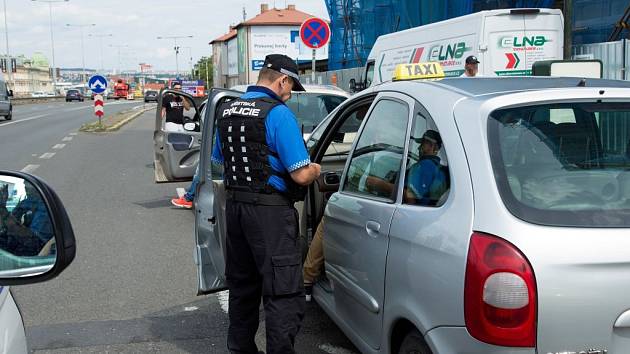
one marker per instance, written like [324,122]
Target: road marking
[59,146]
[331,349]
[34,155]
[73,134]
[76,108]
[24,120]
[68,138]
[191,308]
[224,297]
[47,155]
[29,168]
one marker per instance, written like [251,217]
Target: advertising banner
[267,40]
[232,57]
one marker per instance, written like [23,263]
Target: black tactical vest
[245,151]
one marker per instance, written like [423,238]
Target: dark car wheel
[10,115]
[414,344]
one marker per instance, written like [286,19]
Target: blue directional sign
[97,84]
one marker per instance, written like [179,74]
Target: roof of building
[272,17]
[225,37]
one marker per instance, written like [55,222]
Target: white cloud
[135,23]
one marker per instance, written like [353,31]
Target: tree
[203,70]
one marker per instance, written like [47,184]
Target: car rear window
[73,91]
[311,108]
[564,164]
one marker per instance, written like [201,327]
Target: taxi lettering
[422,69]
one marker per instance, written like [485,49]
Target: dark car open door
[210,228]
[176,151]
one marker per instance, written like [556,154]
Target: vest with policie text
[245,151]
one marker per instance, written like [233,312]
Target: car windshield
[311,108]
[73,91]
[564,164]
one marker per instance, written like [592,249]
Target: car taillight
[500,293]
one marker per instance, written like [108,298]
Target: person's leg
[315,256]
[272,232]
[244,283]
[190,193]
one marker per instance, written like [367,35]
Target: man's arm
[307,174]
[186,104]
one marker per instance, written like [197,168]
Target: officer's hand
[317,168]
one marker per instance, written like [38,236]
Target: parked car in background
[151,96]
[74,95]
[6,108]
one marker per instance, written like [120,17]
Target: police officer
[266,169]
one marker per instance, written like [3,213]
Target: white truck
[506,42]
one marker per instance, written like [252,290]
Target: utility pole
[81,26]
[6,37]
[118,46]
[52,40]
[207,76]
[176,48]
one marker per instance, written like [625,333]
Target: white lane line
[191,308]
[224,297]
[75,109]
[331,349]
[73,134]
[59,146]
[47,155]
[34,155]
[24,120]
[29,168]
[67,138]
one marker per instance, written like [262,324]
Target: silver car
[514,238]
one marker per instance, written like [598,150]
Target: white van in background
[506,42]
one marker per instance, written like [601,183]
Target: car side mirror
[191,127]
[36,238]
[10,93]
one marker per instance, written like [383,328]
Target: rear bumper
[447,340]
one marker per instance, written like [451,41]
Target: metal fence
[614,55]
[340,78]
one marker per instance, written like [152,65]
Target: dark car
[74,95]
[151,96]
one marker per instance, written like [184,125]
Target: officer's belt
[275,199]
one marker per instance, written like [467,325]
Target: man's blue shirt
[423,175]
[283,137]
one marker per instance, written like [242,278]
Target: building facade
[239,55]
[31,75]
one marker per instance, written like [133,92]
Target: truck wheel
[414,344]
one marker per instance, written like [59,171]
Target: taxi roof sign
[429,70]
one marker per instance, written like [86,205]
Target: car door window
[427,179]
[176,110]
[375,166]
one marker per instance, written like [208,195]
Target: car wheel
[414,344]
[10,115]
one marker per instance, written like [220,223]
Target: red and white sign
[315,32]
[98,106]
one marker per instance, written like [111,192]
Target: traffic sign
[97,84]
[315,32]
[98,106]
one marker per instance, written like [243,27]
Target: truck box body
[506,42]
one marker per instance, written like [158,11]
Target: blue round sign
[97,84]
[315,33]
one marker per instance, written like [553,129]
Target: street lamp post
[81,26]
[176,47]
[190,59]
[6,37]
[100,38]
[52,40]
[119,47]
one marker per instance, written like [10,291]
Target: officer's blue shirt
[35,209]
[423,175]
[283,137]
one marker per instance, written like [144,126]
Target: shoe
[308,291]
[181,202]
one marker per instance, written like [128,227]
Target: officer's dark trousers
[263,259]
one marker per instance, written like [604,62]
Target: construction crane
[620,26]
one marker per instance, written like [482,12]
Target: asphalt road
[132,287]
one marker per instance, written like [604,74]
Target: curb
[127,120]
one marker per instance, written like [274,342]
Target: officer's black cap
[284,65]
[471,59]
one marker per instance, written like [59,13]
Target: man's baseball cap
[284,65]
[432,136]
[471,59]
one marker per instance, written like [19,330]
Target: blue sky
[133,23]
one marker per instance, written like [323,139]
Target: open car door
[210,228]
[176,151]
